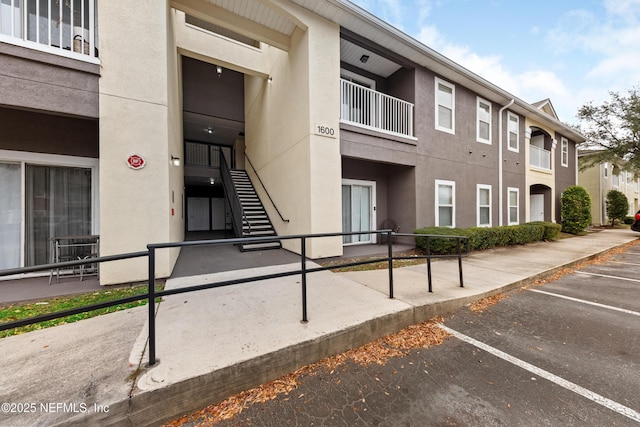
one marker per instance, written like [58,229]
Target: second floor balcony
[63,27]
[374,110]
[539,157]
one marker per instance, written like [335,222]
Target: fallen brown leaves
[379,352]
[481,305]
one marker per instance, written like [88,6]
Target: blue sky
[570,51]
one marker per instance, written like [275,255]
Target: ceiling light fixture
[212,181]
[209,130]
[364,59]
[218,70]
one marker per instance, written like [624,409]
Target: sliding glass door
[57,203]
[358,210]
[10,215]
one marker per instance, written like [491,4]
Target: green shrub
[617,206]
[487,237]
[575,209]
[551,230]
[440,246]
[525,233]
[484,237]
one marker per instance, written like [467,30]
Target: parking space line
[625,263]
[594,397]
[609,277]
[610,307]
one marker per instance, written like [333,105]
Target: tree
[617,206]
[575,209]
[613,129]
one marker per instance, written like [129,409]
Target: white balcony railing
[364,107]
[539,157]
[65,27]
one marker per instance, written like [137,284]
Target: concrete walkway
[212,344]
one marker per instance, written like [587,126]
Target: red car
[636,224]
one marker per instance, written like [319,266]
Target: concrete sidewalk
[212,344]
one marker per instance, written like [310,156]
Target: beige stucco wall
[135,118]
[300,168]
[592,180]
[598,185]
[536,176]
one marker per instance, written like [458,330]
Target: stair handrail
[234,202]
[265,188]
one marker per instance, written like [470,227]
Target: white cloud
[629,10]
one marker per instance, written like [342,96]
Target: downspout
[500,160]
[601,213]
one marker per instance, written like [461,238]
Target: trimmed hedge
[440,246]
[486,237]
[551,230]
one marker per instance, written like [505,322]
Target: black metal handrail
[151,293]
[232,196]
[265,188]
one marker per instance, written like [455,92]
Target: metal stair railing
[237,213]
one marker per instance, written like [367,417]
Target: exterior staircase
[255,222]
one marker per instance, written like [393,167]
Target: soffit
[376,64]
[257,12]
[366,25]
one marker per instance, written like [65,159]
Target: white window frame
[564,155]
[509,205]
[451,130]
[479,102]
[615,178]
[437,205]
[517,132]
[480,187]
[606,170]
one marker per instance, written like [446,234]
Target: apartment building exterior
[603,177]
[127,119]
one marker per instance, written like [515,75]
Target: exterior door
[198,216]
[536,209]
[358,210]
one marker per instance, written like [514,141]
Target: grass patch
[24,311]
[382,265]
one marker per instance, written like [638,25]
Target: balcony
[539,157]
[65,28]
[367,108]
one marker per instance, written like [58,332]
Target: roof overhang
[363,23]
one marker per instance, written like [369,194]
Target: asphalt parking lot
[566,353]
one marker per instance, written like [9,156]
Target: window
[44,196]
[514,205]
[484,205]
[565,151]
[445,203]
[615,177]
[10,215]
[513,131]
[484,121]
[445,106]
[606,170]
